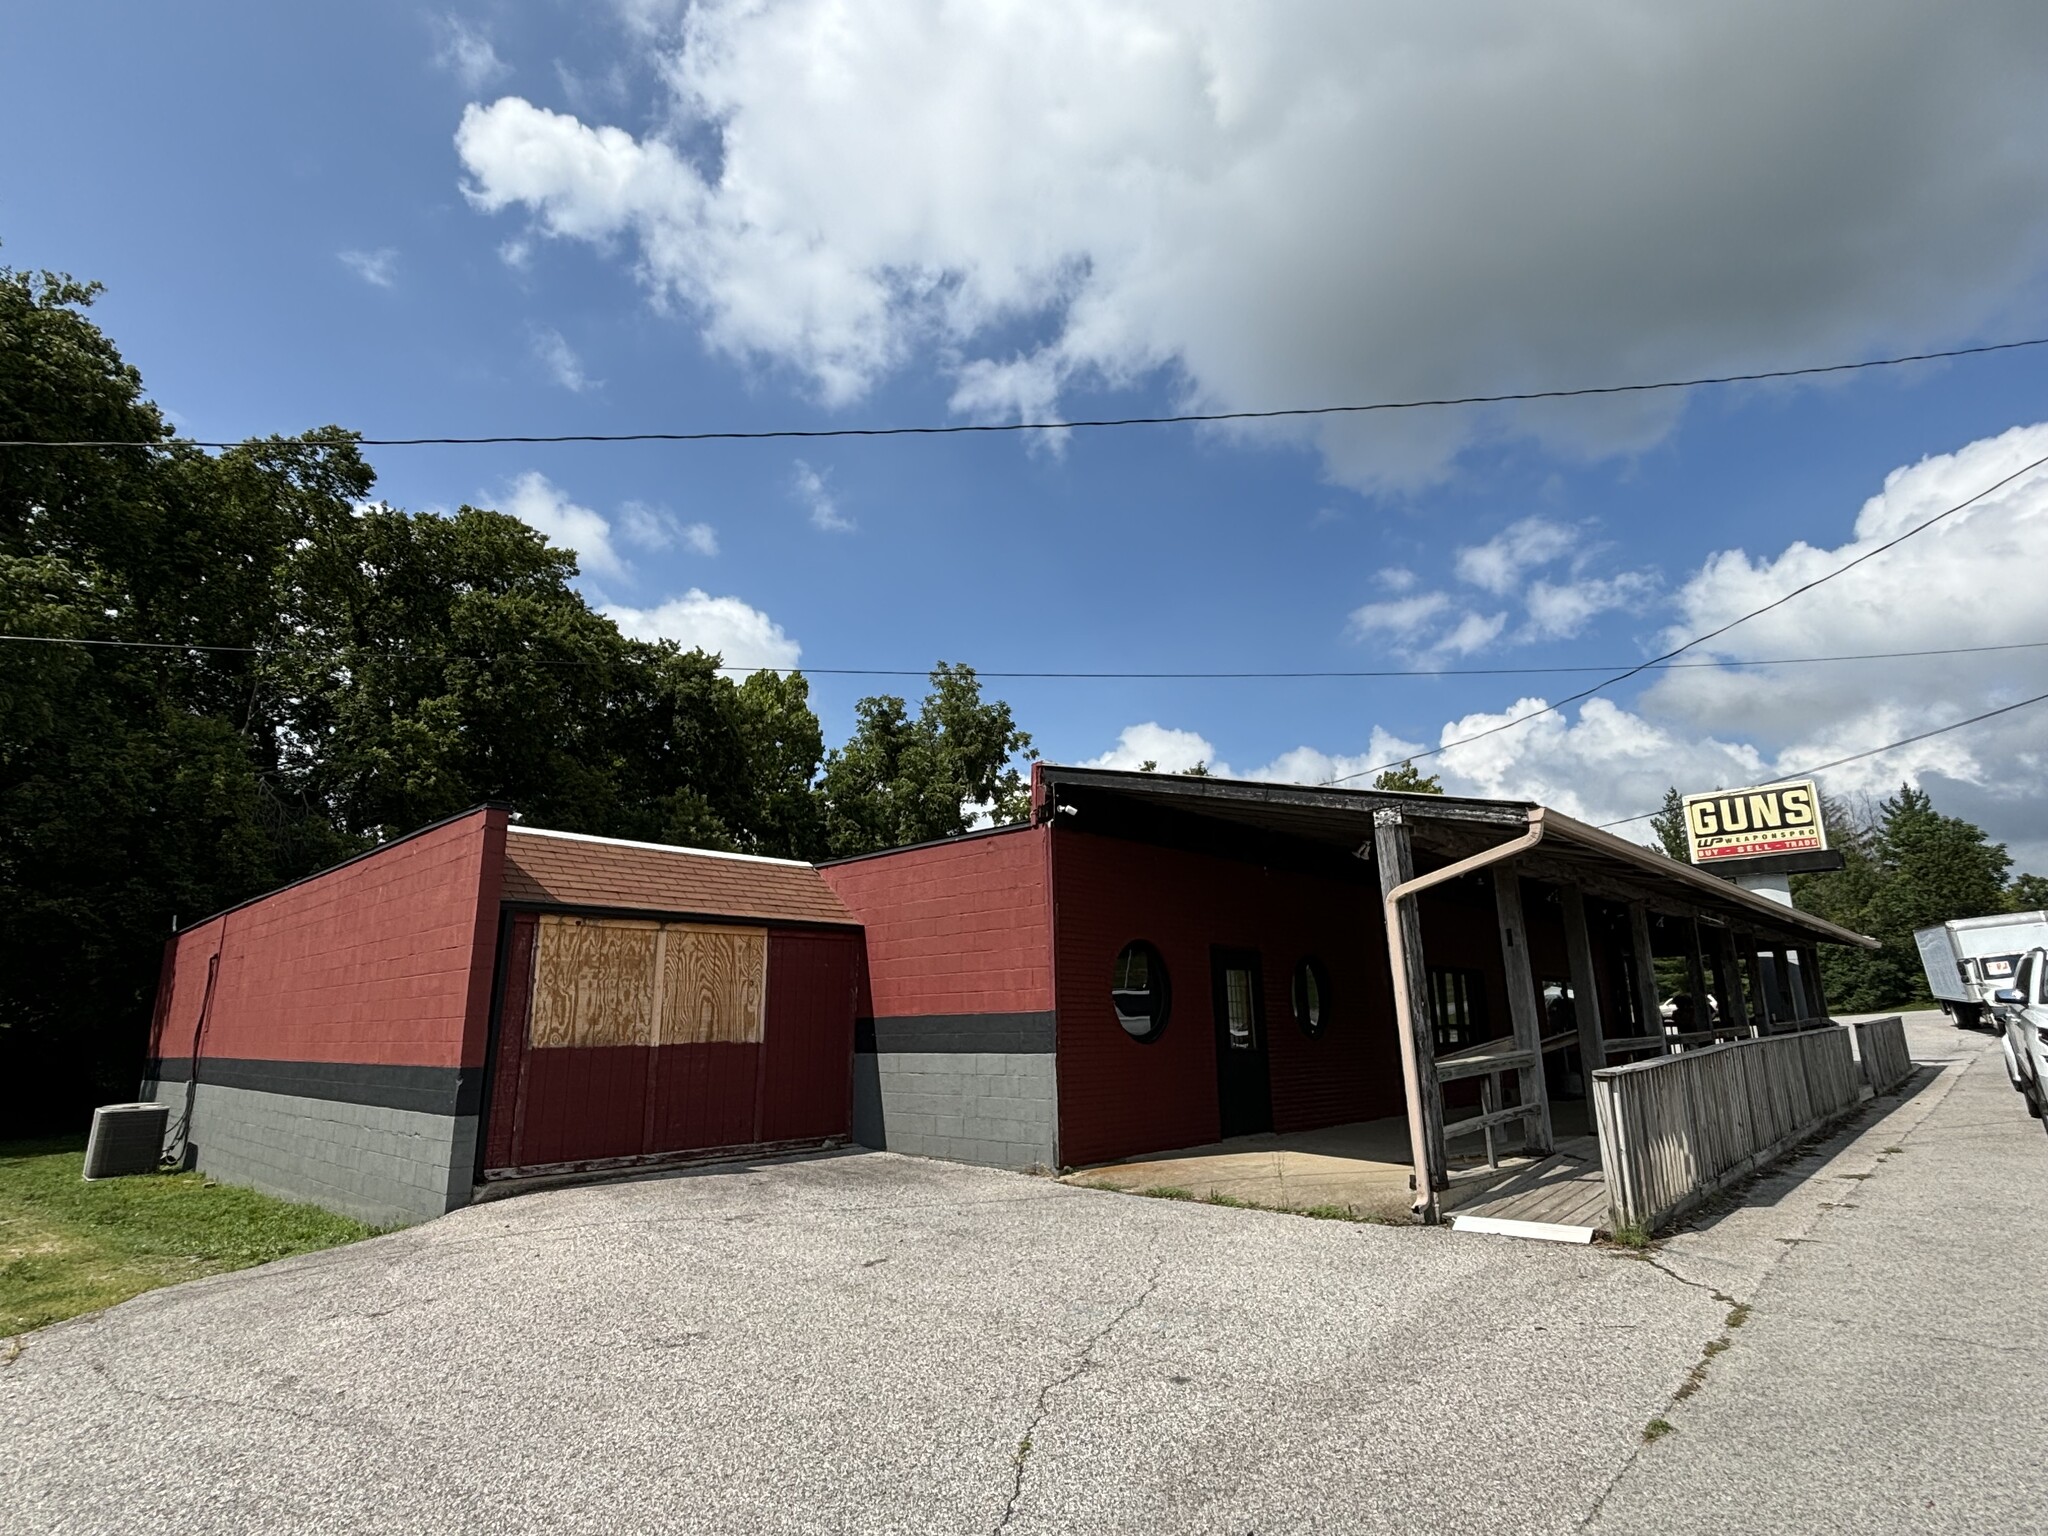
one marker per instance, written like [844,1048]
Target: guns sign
[1748,823]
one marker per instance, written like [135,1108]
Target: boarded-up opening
[625,1039]
[713,984]
[593,983]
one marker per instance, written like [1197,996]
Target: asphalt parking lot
[864,1343]
[873,1343]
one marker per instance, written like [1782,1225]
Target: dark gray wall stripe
[430,1090]
[1014,1034]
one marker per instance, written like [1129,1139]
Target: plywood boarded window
[593,982]
[611,981]
[712,985]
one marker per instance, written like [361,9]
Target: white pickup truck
[1971,958]
[2022,1009]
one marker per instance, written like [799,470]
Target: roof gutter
[1404,1017]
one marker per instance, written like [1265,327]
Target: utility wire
[1655,661]
[957,429]
[1762,661]
[1857,757]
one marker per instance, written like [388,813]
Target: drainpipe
[1404,1018]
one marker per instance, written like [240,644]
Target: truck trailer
[1969,959]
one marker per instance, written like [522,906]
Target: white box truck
[1971,958]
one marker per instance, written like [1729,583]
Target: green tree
[1906,866]
[315,671]
[135,785]
[1408,779]
[902,780]
[1857,980]
[2027,893]
[1669,825]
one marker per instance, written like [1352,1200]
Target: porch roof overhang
[1447,828]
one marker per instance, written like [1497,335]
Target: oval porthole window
[1311,996]
[1140,992]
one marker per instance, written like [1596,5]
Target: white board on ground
[1541,1231]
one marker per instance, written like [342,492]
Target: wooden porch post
[1766,1016]
[1395,855]
[1528,1021]
[1791,985]
[1734,1010]
[1646,969]
[1695,972]
[1578,947]
[1809,973]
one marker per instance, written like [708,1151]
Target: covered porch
[1522,952]
[1362,1169]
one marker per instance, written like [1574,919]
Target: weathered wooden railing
[1486,1061]
[1675,1129]
[1882,1045]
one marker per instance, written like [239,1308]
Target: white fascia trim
[692,853]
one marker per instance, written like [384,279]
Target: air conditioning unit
[126,1138]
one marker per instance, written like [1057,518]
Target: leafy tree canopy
[1905,866]
[902,780]
[1669,825]
[1409,779]
[370,670]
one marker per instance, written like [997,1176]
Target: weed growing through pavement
[1325,1212]
[1656,1430]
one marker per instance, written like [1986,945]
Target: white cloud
[1559,610]
[378,268]
[466,53]
[744,636]
[1171,750]
[1471,633]
[1402,617]
[540,504]
[813,491]
[1966,581]
[517,253]
[1372,201]
[701,537]
[561,361]
[1502,561]
[1396,578]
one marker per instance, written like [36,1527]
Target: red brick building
[481,1001]
[1150,963]
[1158,962]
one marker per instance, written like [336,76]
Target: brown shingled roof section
[568,871]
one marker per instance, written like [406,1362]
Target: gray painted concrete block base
[390,1167]
[993,1108]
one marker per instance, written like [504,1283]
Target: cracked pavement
[871,1343]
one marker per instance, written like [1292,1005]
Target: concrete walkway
[1362,1167]
[1891,1373]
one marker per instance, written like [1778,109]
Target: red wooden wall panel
[580,1104]
[808,1072]
[515,998]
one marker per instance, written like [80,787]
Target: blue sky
[584,218]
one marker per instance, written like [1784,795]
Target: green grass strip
[69,1247]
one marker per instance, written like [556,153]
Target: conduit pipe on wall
[1404,1018]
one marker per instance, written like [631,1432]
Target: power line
[1857,757]
[957,429]
[1655,661]
[1390,672]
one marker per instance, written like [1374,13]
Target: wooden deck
[1565,1189]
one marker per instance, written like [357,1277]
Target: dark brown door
[1244,1092]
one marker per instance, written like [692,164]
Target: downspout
[1404,1019]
